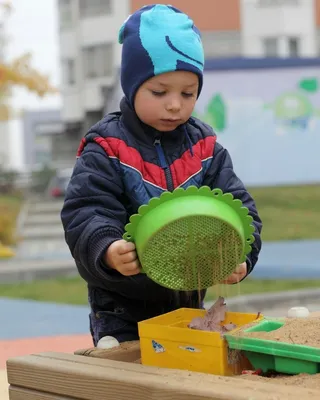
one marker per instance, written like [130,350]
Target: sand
[302,380]
[298,331]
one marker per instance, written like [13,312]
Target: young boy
[153,145]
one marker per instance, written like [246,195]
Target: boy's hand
[122,256]
[237,275]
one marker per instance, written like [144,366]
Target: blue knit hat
[158,39]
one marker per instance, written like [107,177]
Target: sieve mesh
[204,250]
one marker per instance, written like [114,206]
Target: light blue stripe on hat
[169,37]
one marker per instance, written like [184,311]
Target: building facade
[90,57]
[46,142]
[4,127]
[317,22]
[279,28]
[90,53]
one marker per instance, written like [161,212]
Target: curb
[21,271]
[267,301]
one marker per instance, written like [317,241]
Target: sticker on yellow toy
[190,349]
[157,347]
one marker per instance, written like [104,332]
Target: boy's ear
[121,31]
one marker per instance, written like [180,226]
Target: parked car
[59,183]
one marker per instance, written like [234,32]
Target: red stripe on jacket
[181,169]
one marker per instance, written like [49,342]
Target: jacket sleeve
[221,175]
[93,216]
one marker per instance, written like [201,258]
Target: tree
[19,72]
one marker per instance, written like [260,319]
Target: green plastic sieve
[191,239]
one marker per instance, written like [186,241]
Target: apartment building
[90,53]
[317,22]
[90,57]
[4,137]
[280,28]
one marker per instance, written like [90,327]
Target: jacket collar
[145,133]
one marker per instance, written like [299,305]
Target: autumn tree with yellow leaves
[16,73]
[19,72]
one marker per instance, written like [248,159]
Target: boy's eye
[187,94]
[155,93]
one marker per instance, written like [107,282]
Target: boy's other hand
[122,256]
[237,275]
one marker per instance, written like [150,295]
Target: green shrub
[9,211]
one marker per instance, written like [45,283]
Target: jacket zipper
[164,164]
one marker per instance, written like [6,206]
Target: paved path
[16,348]
[32,327]
[64,344]
[30,319]
[289,259]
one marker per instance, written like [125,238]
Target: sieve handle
[129,238]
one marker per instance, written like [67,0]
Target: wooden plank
[3,385]
[74,376]
[128,352]
[89,382]
[123,366]
[16,393]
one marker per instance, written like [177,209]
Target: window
[65,14]
[277,3]
[270,47]
[293,47]
[42,149]
[221,44]
[93,8]
[69,72]
[98,61]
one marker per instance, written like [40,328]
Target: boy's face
[167,100]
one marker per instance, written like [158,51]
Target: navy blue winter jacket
[121,164]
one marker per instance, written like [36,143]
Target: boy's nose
[173,105]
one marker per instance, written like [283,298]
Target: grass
[252,286]
[74,291]
[64,290]
[289,212]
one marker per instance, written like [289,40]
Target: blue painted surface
[292,259]
[263,132]
[30,319]
[247,63]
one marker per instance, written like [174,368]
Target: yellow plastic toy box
[167,342]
